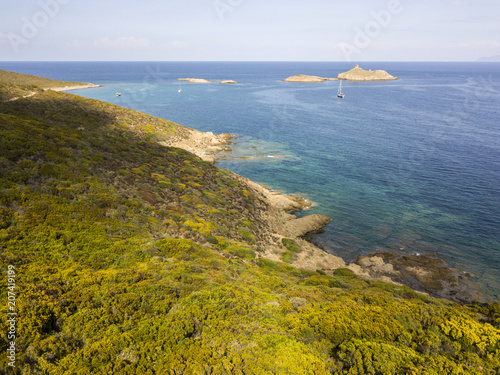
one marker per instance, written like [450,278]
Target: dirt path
[22,97]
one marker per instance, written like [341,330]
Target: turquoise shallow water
[411,165]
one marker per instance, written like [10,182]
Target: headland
[128,255]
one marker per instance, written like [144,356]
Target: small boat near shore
[340,94]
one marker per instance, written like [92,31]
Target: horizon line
[263,61]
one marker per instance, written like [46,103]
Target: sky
[249,30]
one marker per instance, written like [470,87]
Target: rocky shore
[422,272]
[206,145]
[425,273]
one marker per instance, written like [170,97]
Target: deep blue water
[411,165]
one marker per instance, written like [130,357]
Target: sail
[340,94]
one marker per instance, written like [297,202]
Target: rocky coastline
[425,273]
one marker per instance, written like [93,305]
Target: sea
[410,166]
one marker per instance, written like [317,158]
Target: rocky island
[202,80]
[360,74]
[194,80]
[355,74]
[307,79]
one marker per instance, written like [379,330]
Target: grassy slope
[138,258]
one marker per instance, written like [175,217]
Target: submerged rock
[423,272]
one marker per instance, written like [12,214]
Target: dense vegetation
[135,258]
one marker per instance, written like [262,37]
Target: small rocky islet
[355,74]
[203,80]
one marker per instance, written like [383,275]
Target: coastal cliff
[359,74]
[128,255]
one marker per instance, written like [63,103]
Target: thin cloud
[178,44]
[480,43]
[174,45]
[123,42]
[455,2]
[4,39]
[74,44]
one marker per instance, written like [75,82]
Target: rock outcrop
[305,225]
[206,145]
[359,74]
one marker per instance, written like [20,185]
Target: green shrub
[291,245]
[345,272]
[172,246]
[266,263]
[241,252]
[249,237]
[287,257]
[212,240]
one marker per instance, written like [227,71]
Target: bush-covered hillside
[135,258]
[11,78]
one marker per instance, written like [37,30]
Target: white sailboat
[340,94]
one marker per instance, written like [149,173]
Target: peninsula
[127,254]
[359,74]
[11,78]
